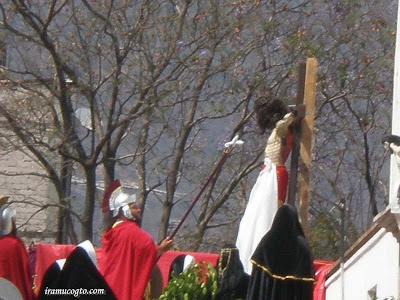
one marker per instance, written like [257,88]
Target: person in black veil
[282,261]
[50,278]
[232,280]
[78,276]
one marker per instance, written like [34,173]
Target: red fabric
[282,178]
[320,269]
[165,261]
[46,254]
[105,207]
[129,257]
[14,264]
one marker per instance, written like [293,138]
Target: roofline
[385,219]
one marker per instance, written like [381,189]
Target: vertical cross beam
[294,161]
[303,140]
[306,145]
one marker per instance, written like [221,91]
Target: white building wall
[375,264]
[394,171]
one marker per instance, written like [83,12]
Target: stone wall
[21,178]
[32,196]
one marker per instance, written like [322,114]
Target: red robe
[14,264]
[129,255]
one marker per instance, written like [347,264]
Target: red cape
[14,264]
[129,255]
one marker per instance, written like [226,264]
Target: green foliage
[196,282]
[325,239]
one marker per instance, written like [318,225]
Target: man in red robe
[129,253]
[13,255]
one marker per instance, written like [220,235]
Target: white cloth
[89,248]
[189,261]
[259,214]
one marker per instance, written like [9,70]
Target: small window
[372,294]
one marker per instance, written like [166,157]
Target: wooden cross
[303,140]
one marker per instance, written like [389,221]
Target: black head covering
[177,264]
[50,279]
[282,261]
[232,280]
[79,272]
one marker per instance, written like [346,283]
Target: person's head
[268,112]
[135,211]
[121,205]
[286,221]
[126,207]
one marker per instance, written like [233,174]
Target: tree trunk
[87,218]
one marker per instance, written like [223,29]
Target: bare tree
[148,91]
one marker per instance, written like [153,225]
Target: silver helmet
[115,198]
[120,199]
[7,217]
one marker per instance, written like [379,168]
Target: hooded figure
[232,280]
[180,264]
[79,274]
[282,262]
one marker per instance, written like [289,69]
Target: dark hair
[391,139]
[268,112]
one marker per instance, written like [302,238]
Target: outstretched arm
[282,125]
[164,246]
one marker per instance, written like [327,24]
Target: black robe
[79,273]
[232,280]
[49,281]
[282,261]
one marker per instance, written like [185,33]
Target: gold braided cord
[35,288]
[220,268]
[265,269]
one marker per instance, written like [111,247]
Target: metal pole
[228,148]
[217,168]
